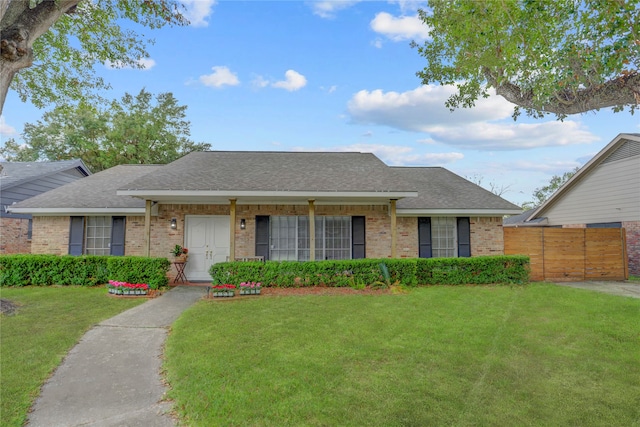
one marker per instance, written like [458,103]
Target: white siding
[610,193]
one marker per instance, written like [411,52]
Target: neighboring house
[603,193]
[21,180]
[278,205]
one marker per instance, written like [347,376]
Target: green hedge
[362,272]
[88,270]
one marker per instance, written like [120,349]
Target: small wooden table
[180,265]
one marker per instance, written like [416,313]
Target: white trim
[456,212]
[80,211]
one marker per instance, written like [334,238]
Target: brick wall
[487,237]
[633,246]
[50,235]
[13,236]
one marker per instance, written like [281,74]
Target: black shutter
[424,237]
[464,237]
[358,240]
[76,235]
[262,236]
[117,235]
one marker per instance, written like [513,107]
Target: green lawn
[34,341]
[485,356]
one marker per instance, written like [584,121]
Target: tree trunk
[20,27]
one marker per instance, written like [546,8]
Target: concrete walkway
[112,376]
[625,289]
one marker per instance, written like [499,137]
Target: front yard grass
[35,339]
[535,355]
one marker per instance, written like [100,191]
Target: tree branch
[623,90]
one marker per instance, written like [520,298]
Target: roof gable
[623,146]
[95,192]
[16,173]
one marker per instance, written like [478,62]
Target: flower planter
[224,294]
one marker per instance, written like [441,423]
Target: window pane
[443,237]
[98,235]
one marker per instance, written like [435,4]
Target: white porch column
[147,228]
[312,230]
[394,228]
[232,230]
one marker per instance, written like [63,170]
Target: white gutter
[458,212]
[77,211]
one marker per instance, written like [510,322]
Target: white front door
[207,238]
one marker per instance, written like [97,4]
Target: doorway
[207,238]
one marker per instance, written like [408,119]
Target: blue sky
[340,76]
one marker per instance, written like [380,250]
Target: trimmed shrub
[362,272]
[88,270]
[152,271]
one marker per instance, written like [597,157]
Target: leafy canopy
[134,130]
[63,53]
[546,56]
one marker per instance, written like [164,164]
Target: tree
[133,130]
[541,194]
[48,48]
[497,189]
[546,56]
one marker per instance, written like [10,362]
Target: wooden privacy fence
[570,254]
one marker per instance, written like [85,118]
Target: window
[290,238]
[97,235]
[441,237]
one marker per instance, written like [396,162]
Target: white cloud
[5,129]
[394,155]
[221,76]
[260,82]
[145,64]
[293,81]
[513,136]
[329,8]
[483,127]
[400,28]
[198,11]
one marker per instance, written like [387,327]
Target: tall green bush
[407,272]
[88,270]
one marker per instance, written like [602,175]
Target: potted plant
[124,288]
[250,288]
[180,253]
[223,290]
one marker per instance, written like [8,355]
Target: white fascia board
[78,211]
[150,194]
[457,212]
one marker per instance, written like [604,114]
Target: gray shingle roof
[95,191]
[274,171]
[439,188]
[14,173]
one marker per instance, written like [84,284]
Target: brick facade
[14,234]
[51,234]
[487,237]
